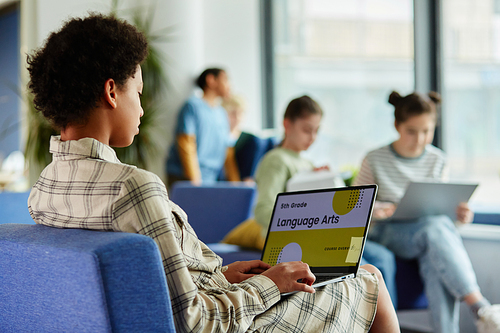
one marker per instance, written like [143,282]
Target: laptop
[325,228]
[431,198]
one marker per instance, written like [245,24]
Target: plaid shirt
[87,187]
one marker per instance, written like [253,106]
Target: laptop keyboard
[323,278]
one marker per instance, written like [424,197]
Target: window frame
[427,57]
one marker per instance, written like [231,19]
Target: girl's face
[128,113]
[301,133]
[414,134]
[235,116]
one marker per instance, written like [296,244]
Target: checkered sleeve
[202,300]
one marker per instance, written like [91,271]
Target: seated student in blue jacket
[87,81]
[202,144]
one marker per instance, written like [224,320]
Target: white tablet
[424,199]
[313,180]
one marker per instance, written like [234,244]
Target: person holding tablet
[445,266]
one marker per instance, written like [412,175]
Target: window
[9,79]
[349,56]
[471,93]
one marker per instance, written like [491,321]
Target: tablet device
[430,198]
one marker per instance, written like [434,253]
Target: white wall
[6,3]
[232,40]
[204,33]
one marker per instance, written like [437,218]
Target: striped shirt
[393,172]
[87,187]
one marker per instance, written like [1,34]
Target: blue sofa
[79,280]
[71,280]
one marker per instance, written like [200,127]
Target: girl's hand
[239,271]
[464,214]
[322,168]
[383,210]
[287,274]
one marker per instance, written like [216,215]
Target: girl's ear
[211,81]
[110,93]
[287,123]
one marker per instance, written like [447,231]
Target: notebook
[325,228]
[427,198]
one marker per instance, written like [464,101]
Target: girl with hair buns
[445,267]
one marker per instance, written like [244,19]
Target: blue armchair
[72,280]
[249,150]
[213,210]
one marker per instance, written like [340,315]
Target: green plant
[146,143]
[349,173]
[38,139]
[39,131]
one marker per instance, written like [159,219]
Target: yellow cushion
[246,234]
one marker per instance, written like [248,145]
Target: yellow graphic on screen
[345,201]
[355,249]
[290,252]
[318,248]
[273,255]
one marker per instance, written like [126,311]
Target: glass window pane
[471,98]
[349,56]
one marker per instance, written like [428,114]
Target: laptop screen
[324,228]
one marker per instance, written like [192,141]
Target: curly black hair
[67,75]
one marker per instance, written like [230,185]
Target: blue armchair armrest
[14,208]
[72,280]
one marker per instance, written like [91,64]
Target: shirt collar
[81,149]
[391,147]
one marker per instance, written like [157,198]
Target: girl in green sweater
[301,123]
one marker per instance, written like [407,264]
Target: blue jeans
[445,267]
[380,257]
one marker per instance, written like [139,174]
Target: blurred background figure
[248,148]
[235,107]
[202,145]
